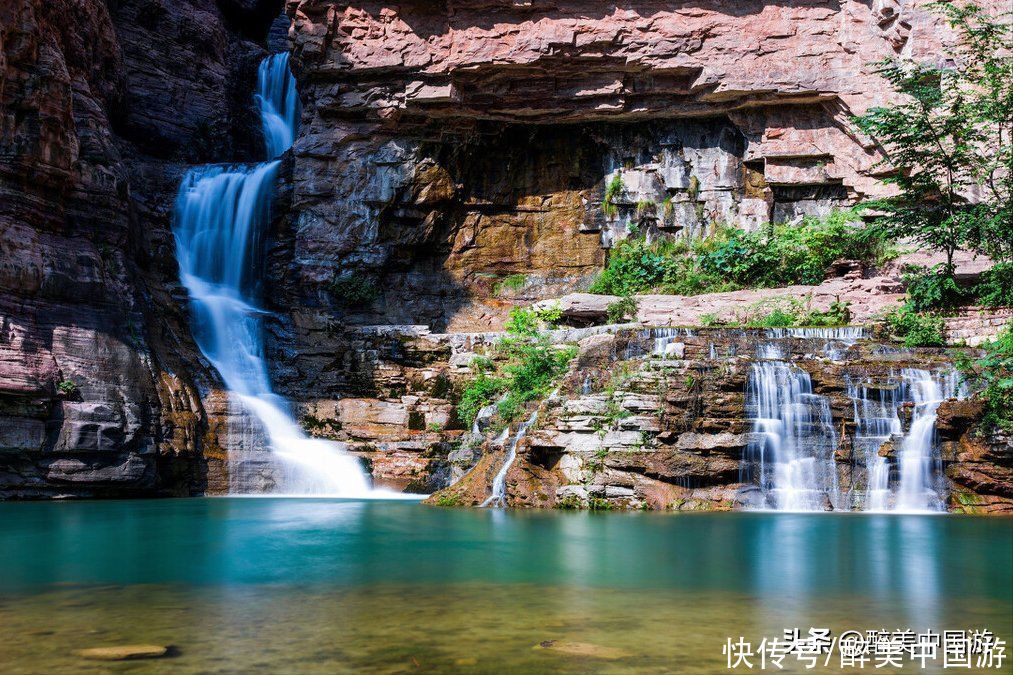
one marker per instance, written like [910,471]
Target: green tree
[948,140]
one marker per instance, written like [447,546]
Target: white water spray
[919,459]
[498,496]
[793,439]
[220,216]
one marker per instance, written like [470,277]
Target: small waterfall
[483,416]
[876,421]
[921,484]
[278,102]
[770,351]
[793,439]
[840,333]
[219,222]
[498,496]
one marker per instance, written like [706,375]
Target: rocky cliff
[450,144]
[101,105]
[451,164]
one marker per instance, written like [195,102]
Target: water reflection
[790,561]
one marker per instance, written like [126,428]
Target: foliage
[599,504]
[948,136]
[354,290]
[781,255]
[933,289]
[529,365]
[785,254]
[621,310]
[709,319]
[613,189]
[996,286]
[916,329]
[550,315]
[66,387]
[645,206]
[995,372]
[522,322]
[793,312]
[513,282]
[479,393]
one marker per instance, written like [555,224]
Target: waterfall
[876,421]
[793,440]
[498,496]
[919,485]
[219,222]
[278,102]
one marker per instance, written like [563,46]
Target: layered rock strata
[102,391]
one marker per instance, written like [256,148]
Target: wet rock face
[639,426]
[99,378]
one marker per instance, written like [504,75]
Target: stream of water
[220,220]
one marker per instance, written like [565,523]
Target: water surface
[336,586]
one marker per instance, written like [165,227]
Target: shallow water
[329,586]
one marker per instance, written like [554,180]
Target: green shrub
[531,364]
[996,373]
[781,255]
[916,329]
[838,314]
[479,393]
[522,322]
[996,286]
[621,310]
[514,282]
[934,289]
[550,315]
[66,387]
[613,189]
[792,312]
[354,290]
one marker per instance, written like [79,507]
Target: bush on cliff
[996,286]
[779,255]
[916,329]
[526,367]
[992,375]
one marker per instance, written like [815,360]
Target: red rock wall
[384,83]
[88,98]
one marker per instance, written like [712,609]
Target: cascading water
[278,102]
[920,464]
[919,485]
[498,496]
[219,220]
[792,451]
[876,421]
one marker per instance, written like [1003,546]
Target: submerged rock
[583,649]
[124,652]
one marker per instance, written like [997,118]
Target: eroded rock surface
[101,388]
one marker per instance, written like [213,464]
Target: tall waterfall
[916,477]
[220,217]
[792,451]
